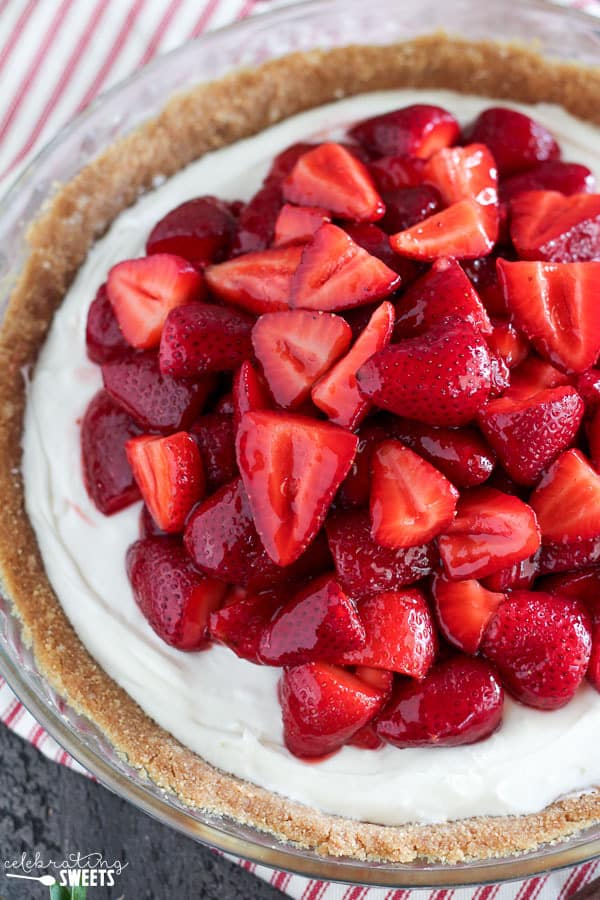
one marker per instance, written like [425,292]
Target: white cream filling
[224,708]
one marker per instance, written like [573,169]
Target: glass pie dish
[560,34]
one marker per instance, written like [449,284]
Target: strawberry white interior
[220,706]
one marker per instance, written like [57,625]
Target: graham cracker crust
[206,118]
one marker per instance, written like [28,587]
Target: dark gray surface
[48,808]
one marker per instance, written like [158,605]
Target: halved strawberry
[551,175]
[547,225]
[463,610]
[518,575]
[411,501]
[173,597]
[200,230]
[483,276]
[104,339]
[508,343]
[240,622]
[250,392]
[331,177]
[393,172]
[405,207]
[143,291]
[291,467]
[561,556]
[322,707]
[555,305]
[337,393]
[297,224]
[567,500]
[405,378]
[256,224]
[584,585]
[516,141]
[528,434]
[534,375]
[365,567]
[444,291]
[377,243]
[417,130]
[459,702]
[295,348]
[335,273]
[170,476]
[259,282]
[201,338]
[318,624]
[540,645]
[214,433]
[464,230]
[355,489]
[462,173]
[285,161]
[491,531]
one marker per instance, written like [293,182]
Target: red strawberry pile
[363,413]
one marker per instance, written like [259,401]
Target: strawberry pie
[311,465]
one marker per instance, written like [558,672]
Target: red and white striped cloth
[55,57]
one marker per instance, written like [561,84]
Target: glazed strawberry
[201,338]
[297,224]
[593,672]
[170,476]
[366,738]
[540,645]
[405,379]
[240,622]
[224,404]
[365,567]
[584,585]
[460,454]
[549,226]
[295,348]
[508,343]
[567,500]
[157,402]
[483,276]
[329,176]
[317,625]
[147,525]
[382,679]
[499,376]
[258,282]
[291,467]
[552,175]
[417,130]
[256,224]
[221,538]
[285,161]
[593,437]
[322,707]
[491,531]
[529,434]
[444,291]
[555,305]
[464,230]
[249,392]
[335,273]
[411,501]
[214,433]
[462,173]
[519,575]
[463,610]
[533,376]
[459,702]
[107,475]
[103,338]
[356,487]
[406,207]
[400,635]
[516,141]
[143,291]
[377,243]
[337,393]
[173,597]
[561,556]
[392,172]
[588,388]
[200,230]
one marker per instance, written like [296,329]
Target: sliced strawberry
[143,291]
[317,625]
[329,176]
[173,597]
[147,525]
[107,475]
[552,175]
[556,307]
[240,622]
[295,348]
[508,343]
[417,130]
[405,378]
[259,282]
[200,230]
[411,501]
[540,645]
[529,434]
[400,634]
[483,276]
[549,226]
[588,388]
[285,161]
[214,433]
[584,585]
[444,291]
[297,224]
[337,393]
[464,230]
[201,338]
[365,567]
[157,402]
[405,207]
[170,476]
[462,173]
[516,141]
[519,575]
[103,338]
[491,531]
[335,273]
[593,672]
[459,702]
[567,500]
[356,487]
[534,375]
[256,224]
[249,392]
[463,610]
[377,243]
[291,467]
[393,172]
[322,707]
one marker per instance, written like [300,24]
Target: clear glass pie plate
[558,33]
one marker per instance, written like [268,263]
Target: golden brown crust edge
[206,118]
